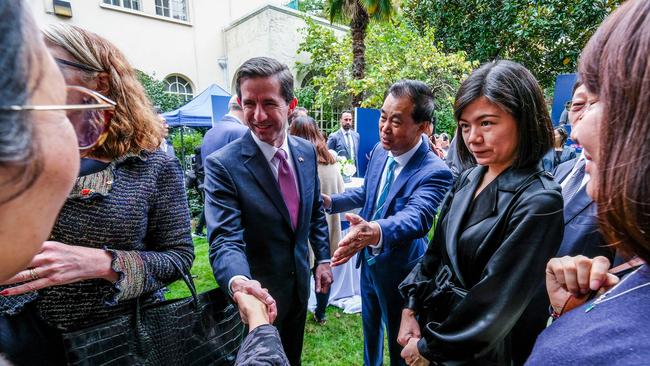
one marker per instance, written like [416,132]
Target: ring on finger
[33,274]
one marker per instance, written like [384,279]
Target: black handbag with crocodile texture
[204,329]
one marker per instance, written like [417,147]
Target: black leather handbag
[203,329]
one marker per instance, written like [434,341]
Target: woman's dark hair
[563,134]
[515,90]
[615,66]
[306,128]
[20,165]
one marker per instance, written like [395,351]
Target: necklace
[603,298]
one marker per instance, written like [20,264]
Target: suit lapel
[459,205]
[490,207]
[303,171]
[256,163]
[576,204]
[373,177]
[563,171]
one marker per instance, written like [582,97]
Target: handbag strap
[187,278]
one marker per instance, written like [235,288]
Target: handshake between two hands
[257,306]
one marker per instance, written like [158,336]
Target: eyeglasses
[89,112]
[576,106]
[76,65]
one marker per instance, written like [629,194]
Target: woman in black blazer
[498,226]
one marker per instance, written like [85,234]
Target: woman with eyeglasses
[611,328]
[124,223]
[38,155]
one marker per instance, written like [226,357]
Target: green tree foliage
[158,94]
[359,13]
[312,7]
[545,36]
[394,51]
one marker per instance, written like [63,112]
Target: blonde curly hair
[134,127]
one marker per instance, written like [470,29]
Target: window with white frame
[176,9]
[130,4]
[179,86]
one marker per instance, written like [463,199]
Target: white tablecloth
[345,292]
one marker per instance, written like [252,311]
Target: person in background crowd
[613,327]
[197,184]
[403,186]
[166,145]
[581,235]
[231,127]
[263,205]
[345,141]
[453,160]
[560,153]
[331,183]
[432,140]
[444,143]
[119,230]
[497,227]
[39,158]
[297,112]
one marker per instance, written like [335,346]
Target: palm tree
[359,13]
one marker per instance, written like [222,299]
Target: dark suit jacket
[500,252]
[551,162]
[249,228]
[409,209]
[221,134]
[581,236]
[336,142]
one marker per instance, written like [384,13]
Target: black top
[495,246]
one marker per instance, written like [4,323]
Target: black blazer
[495,258]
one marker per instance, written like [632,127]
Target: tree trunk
[358,27]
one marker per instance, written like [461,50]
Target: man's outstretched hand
[361,234]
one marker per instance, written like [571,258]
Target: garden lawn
[339,342]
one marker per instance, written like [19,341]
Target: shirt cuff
[323,261]
[235,278]
[376,249]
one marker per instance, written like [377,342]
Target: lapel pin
[300,159]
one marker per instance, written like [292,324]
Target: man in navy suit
[403,186]
[227,130]
[345,141]
[581,236]
[263,205]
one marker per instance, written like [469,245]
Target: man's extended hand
[323,278]
[254,288]
[361,234]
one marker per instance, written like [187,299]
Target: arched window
[179,86]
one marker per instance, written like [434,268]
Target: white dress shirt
[400,162]
[269,151]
